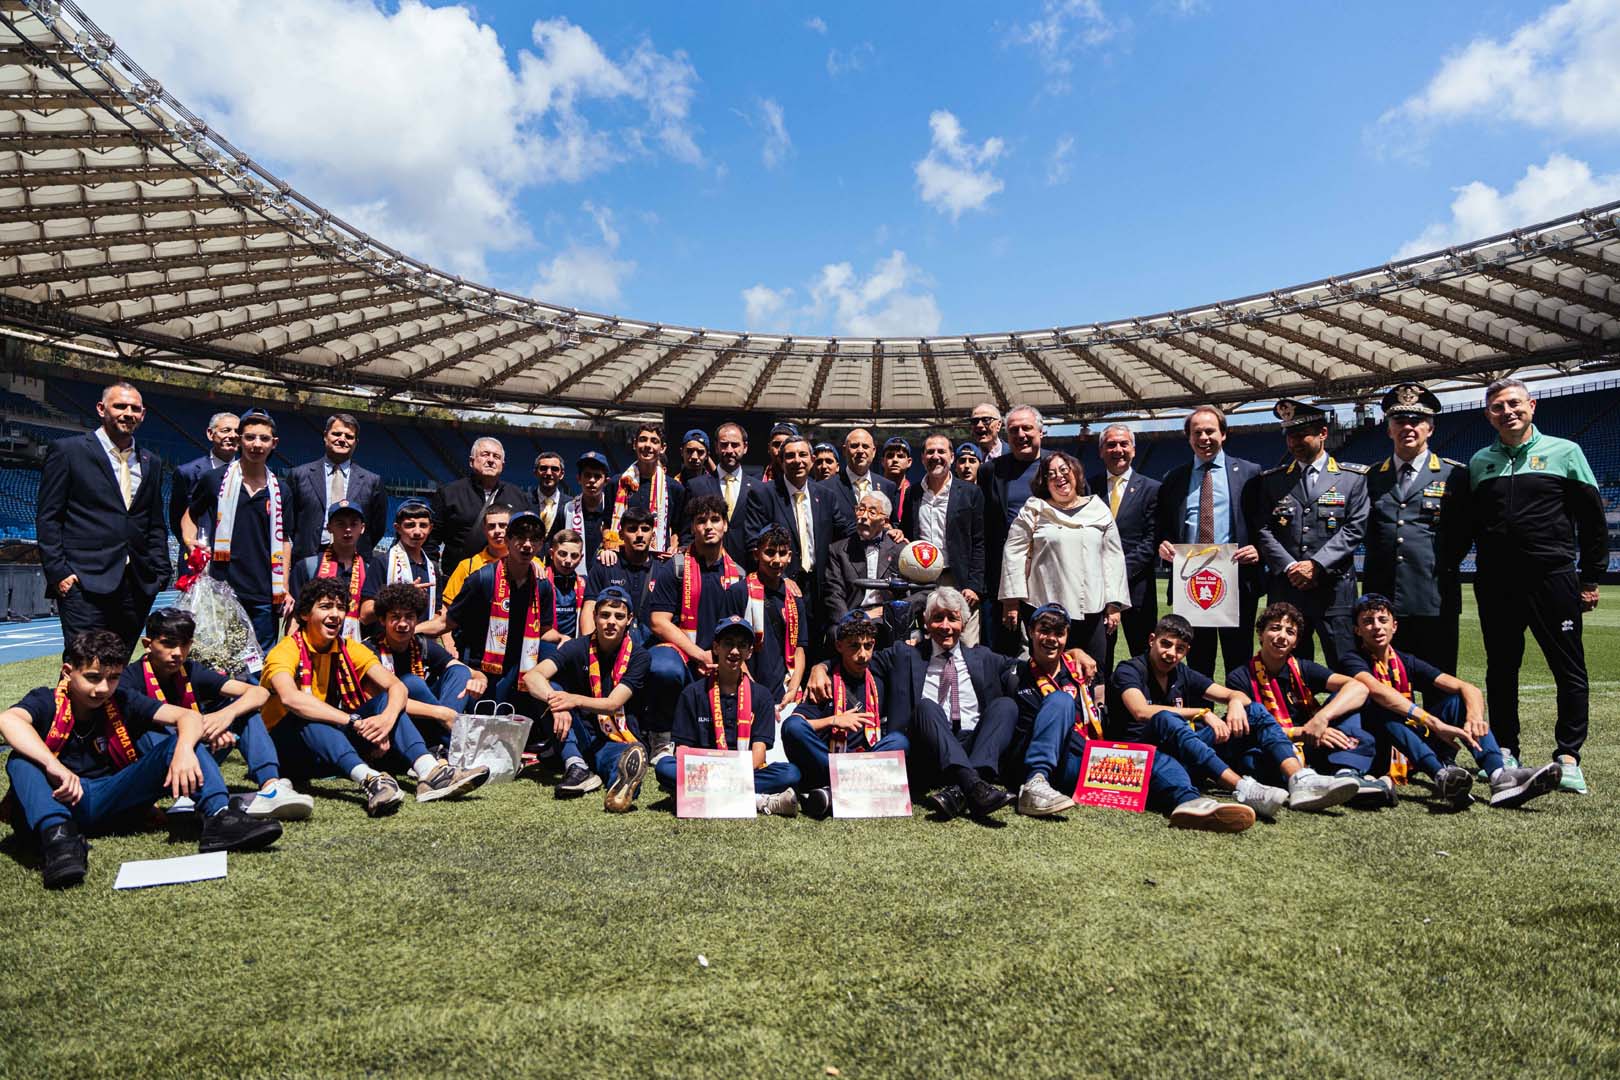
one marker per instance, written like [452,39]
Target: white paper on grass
[186,868]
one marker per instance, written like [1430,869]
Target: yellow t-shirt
[465,569]
[284,658]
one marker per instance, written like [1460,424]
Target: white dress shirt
[1122,481]
[932,511]
[113,456]
[967,701]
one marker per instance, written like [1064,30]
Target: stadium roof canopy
[124,218]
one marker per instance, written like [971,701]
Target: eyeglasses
[1060,473]
[983,420]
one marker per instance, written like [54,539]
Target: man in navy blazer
[1004,482]
[1180,518]
[857,477]
[949,513]
[103,542]
[315,485]
[1134,501]
[222,444]
[731,484]
[774,504]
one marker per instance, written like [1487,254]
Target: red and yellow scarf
[154,688]
[385,656]
[328,568]
[692,586]
[657,504]
[120,747]
[745,713]
[619,730]
[790,617]
[343,671]
[1087,720]
[871,723]
[1391,672]
[500,623]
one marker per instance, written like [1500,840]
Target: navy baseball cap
[696,435]
[615,593]
[408,508]
[826,448]
[969,448]
[525,515]
[756,537]
[731,624]
[344,506]
[854,621]
[1049,609]
[592,457]
[895,441]
[782,427]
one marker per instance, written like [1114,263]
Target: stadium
[521,934]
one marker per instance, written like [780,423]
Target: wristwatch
[354,718]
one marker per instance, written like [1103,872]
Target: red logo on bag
[925,554]
[1206,588]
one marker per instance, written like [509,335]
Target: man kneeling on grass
[85,754]
[1057,717]
[324,722]
[852,722]
[440,686]
[229,708]
[1153,695]
[729,710]
[1330,734]
[1430,740]
[595,687]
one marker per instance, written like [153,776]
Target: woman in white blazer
[1064,548]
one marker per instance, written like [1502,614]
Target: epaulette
[1355,467]
[1454,463]
[1275,469]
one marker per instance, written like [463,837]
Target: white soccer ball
[920,562]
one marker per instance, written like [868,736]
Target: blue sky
[887,168]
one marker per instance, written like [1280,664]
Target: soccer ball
[920,563]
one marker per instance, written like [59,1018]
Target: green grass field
[513,934]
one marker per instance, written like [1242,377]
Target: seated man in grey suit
[870,553]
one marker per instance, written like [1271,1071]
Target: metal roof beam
[374,298]
[1326,348]
[823,372]
[404,344]
[1098,364]
[1038,362]
[1444,323]
[987,373]
[1226,337]
[1161,366]
[646,374]
[524,330]
[432,308]
[768,374]
[84,211]
[561,345]
[355,280]
[591,367]
[164,264]
[1521,278]
[1183,343]
[710,370]
[1509,311]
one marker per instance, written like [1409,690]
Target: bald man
[858,478]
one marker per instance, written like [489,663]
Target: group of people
[718,607]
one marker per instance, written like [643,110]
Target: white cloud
[411,119]
[843,61]
[1561,186]
[1060,162]
[1065,27]
[586,275]
[955,175]
[778,144]
[893,300]
[1559,72]
[816,23]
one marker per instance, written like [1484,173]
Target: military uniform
[1294,524]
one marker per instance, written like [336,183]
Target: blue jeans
[105,797]
[1429,754]
[807,749]
[312,749]
[266,620]
[450,693]
[1358,757]
[1262,750]
[767,781]
[505,688]
[258,749]
[667,676]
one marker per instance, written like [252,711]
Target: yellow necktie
[550,514]
[123,475]
[730,483]
[802,512]
[863,487]
[1116,491]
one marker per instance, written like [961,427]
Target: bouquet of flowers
[225,637]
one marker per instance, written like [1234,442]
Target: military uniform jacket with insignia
[1326,530]
[1414,545]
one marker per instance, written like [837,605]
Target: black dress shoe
[233,830]
[947,801]
[65,854]
[816,803]
[985,799]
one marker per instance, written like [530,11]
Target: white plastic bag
[493,738]
[225,638]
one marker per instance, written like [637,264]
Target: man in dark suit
[1134,501]
[222,443]
[1310,517]
[732,484]
[102,540]
[1004,481]
[811,515]
[1185,517]
[549,496]
[949,513]
[458,507]
[857,477]
[315,485]
[870,553]
[1418,529]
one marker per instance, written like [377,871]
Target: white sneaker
[1037,798]
[280,801]
[1310,790]
[1211,816]
[782,804]
[1263,799]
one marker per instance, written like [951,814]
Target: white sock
[361,773]
[571,762]
[423,765]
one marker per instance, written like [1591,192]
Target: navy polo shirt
[1184,689]
[855,698]
[435,657]
[567,613]
[85,751]
[305,570]
[694,723]
[769,665]
[248,571]
[573,662]
[635,580]
[714,600]
[208,684]
[1316,681]
[1419,672]
[470,613]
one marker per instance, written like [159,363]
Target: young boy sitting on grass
[324,721]
[229,708]
[440,686]
[1430,739]
[1152,695]
[595,688]
[1329,733]
[728,710]
[87,752]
